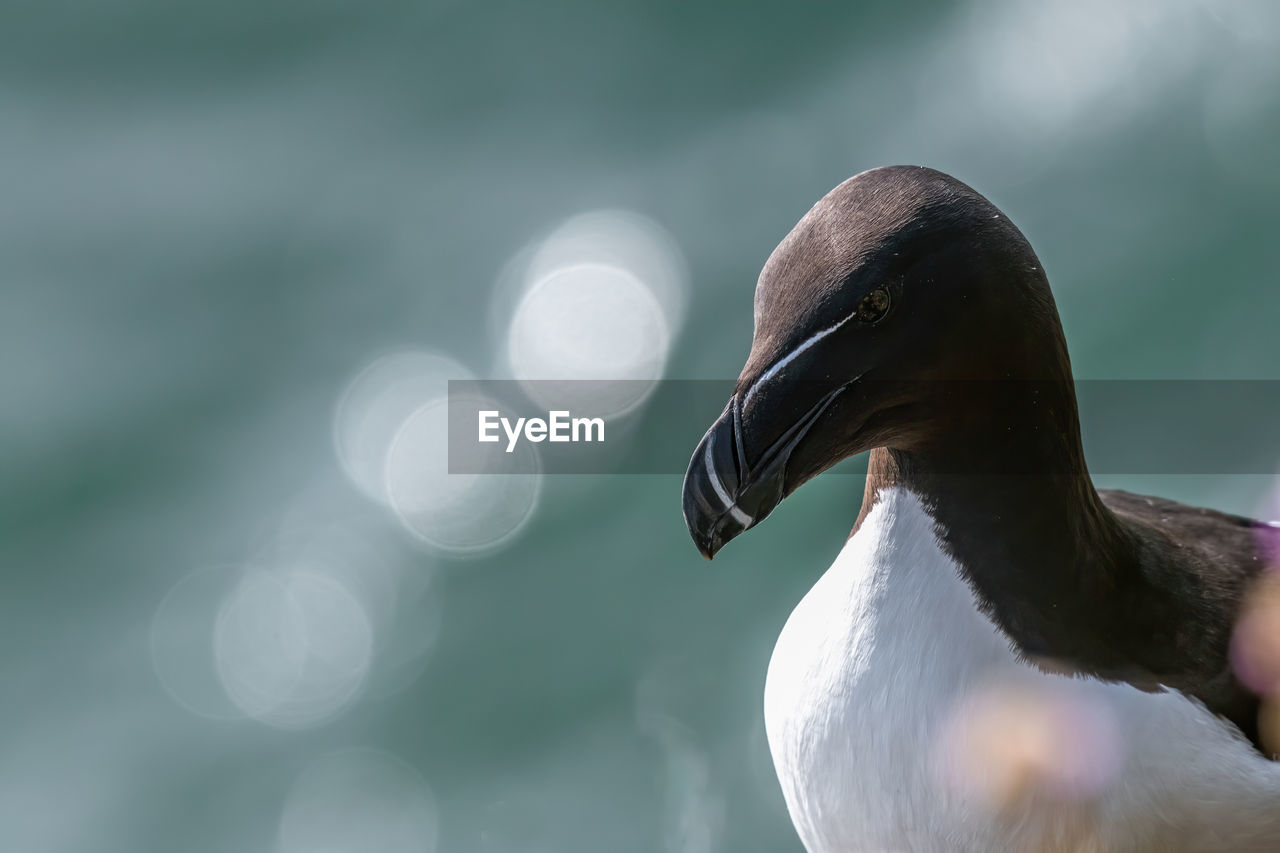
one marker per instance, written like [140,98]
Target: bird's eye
[874,306]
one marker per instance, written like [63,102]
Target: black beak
[730,487]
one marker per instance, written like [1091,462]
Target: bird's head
[897,283]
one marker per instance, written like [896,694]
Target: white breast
[874,709]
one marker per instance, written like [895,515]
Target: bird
[1002,656]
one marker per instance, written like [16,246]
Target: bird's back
[1212,558]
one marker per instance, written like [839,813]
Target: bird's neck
[1007,486]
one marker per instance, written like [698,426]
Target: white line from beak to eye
[786,359]
[708,462]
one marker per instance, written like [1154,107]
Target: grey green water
[213,216]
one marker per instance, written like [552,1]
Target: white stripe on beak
[786,359]
[708,460]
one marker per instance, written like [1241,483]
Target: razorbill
[991,607]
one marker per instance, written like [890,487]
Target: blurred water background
[243,245]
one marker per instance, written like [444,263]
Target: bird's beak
[731,486]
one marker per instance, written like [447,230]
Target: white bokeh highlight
[458,514]
[602,299]
[376,404]
[293,649]
[624,240]
[331,532]
[181,640]
[391,429]
[592,322]
[328,611]
[357,801]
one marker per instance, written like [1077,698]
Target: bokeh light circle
[589,321]
[292,648]
[625,240]
[465,513]
[333,533]
[376,403]
[181,640]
